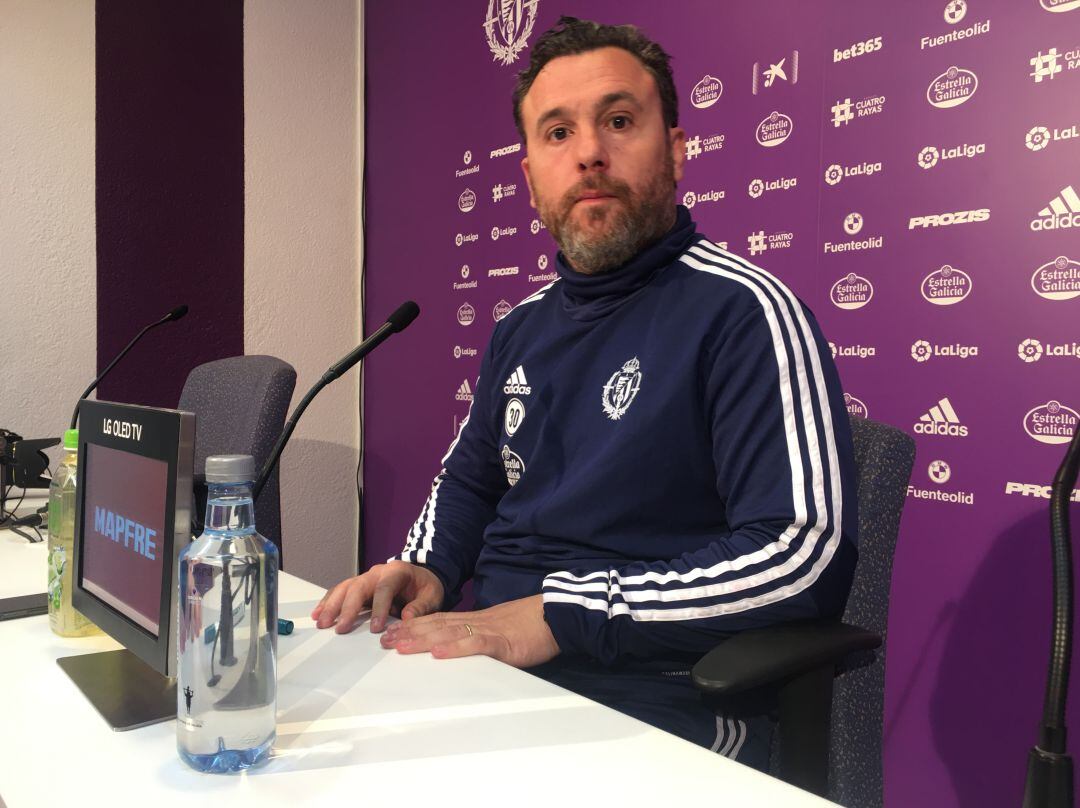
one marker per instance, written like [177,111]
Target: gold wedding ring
[468,628]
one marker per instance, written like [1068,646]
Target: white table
[357,725]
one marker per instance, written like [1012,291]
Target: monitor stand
[126,691]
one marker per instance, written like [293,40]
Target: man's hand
[415,590]
[513,632]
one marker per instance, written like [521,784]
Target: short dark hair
[571,36]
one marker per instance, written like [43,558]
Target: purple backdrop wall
[910,171]
[170,190]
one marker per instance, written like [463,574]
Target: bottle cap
[71,439]
[230,469]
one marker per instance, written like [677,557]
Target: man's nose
[591,150]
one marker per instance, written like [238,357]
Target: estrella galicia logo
[855,407]
[513,464]
[946,286]
[508,26]
[1057,280]
[1051,422]
[952,88]
[621,389]
[706,92]
[466,314]
[1059,5]
[467,201]
[851,292]
[774,130]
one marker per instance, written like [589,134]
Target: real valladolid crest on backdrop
[849,158]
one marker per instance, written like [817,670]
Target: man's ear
[528,181]
[677,136]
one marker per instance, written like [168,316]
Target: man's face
[602,164]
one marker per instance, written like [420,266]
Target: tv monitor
[132,519]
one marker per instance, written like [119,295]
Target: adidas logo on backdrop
[941,420]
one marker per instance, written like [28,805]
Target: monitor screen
[124,531]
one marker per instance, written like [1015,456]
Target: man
[658,453]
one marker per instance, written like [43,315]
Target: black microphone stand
[1050,769]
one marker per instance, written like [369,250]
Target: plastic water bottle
[64,619]
[227,629]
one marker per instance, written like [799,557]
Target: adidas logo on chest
[517,384]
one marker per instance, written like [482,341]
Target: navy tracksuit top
[662,451]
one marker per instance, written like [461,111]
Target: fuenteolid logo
[621,389]
[508,26]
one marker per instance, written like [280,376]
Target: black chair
[240,404]
[824,681]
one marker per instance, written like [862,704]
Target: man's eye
[559,133]
[620,122]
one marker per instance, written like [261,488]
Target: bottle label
[57,564]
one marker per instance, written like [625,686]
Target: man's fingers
[331,605]
[356,598]
[391,582]
[436,633]
[469,645]
[420,606]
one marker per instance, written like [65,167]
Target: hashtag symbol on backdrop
[756,242]
[1046,65]
[693,147]
[841,112]
[496,193]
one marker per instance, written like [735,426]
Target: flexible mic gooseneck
[175,314]
[398,321]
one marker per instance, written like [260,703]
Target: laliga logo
[1030,350]
[513,21]
[706,92]
[946,286]
[466,314]
[851,292]
[774,130]
[952,88]
[689,198]
[1051,423]
[1062,213]
[1057,280]
[835,172]
[1059,5]
[467,201]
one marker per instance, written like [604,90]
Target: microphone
[175,314]
[398,321]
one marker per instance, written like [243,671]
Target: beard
[634,220]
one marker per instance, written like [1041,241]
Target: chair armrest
[768,655]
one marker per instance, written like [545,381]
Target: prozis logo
[844,112]
[757,187]
[1057,280]
[932,155]
[855,407]
[946,219]
[1032,350]
[941,419]
[784,71]
[467,201]
[871,45]
[1039,137]
[774,130]
[836,172]
[1033,490]
[851,292]
[505,150]
[923,350]
[946,286]
[1060,5]
[1062,213]
[952,88]
[1052,423]
[706,92]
